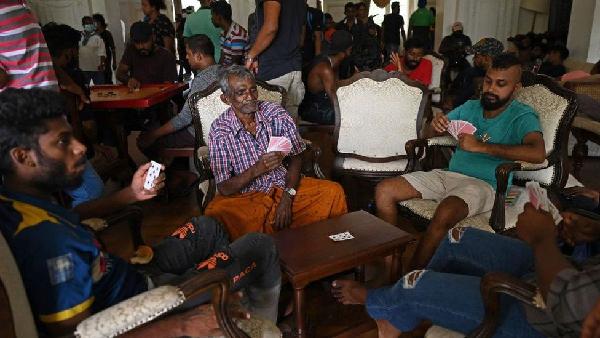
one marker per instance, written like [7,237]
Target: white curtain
[241,9]
[483,18]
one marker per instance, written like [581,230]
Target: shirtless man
[321,81]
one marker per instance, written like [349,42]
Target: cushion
[390,107]
[440,332]
[131,313]
[13,284]
[350,163]
[436,74]
[426,209]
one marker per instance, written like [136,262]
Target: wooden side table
[308,254]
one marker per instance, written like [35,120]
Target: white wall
[526,20]
[582,23]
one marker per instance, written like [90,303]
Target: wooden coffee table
[308,254]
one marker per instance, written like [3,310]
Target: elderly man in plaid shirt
[256,191]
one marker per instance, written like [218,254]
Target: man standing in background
[393,25]
[200,23]
[275,55]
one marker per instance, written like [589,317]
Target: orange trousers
[315,201]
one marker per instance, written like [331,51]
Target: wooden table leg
[396,267]
[299,312]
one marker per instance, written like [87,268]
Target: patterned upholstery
[550,108]
[211,107]
[392,111]
[349,163]
[130,313]
[440,332]
[436,77]
[17,297]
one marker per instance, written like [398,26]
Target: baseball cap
[340,41]
[487,46]
[140,32]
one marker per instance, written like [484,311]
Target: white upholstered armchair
[556,107]
[436,77]
[376,114]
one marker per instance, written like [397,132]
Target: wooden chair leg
[580,152]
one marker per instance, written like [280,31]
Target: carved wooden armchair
[584,128]
[492,285]
[556,107]
[206,106]
[18,321]
[436,86]
[376,114]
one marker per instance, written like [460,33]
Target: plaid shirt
[232,149]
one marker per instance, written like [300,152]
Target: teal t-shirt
[508,128]
[200,23]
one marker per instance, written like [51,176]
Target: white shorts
[439,184]
[294,87]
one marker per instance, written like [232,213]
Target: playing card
[342,236]
[457,127]
[151,175]
[279,143]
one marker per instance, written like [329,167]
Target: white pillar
[581,26]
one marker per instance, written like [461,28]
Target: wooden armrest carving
[218,282]
[497,219]
[492,285]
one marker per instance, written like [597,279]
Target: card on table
[342,236]
[152,175]
[279,143]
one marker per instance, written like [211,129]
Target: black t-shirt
[283,55]
[553,71]
[109,44]
[314,23]
[391,28]
[158,67]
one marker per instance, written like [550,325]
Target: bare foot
[349,292]
[386,330]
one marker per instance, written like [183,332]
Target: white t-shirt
[89,55]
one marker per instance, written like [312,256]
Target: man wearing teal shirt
[200,23]
[507,130]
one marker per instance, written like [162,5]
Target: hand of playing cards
[457,127]
[342,236]
[279,143]
[538,197]
[152,175]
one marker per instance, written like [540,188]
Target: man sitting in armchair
[256,191]
[448,293]
[507,130]
[67,276]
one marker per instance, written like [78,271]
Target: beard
[490,101]
[412,64]
[54,177]
[144,52]
[249,107]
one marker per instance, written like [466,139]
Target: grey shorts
[439,184]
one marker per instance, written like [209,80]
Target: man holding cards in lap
[503,130]
[256,191]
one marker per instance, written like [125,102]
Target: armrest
[310,163]
[497,218]
[202,163]
[416,148]
[492,285]
[145,307]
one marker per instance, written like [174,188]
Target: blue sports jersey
[63,268]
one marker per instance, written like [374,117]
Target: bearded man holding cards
[490,131]
[247,146]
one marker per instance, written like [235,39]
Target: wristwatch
[291,191]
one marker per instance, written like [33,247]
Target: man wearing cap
[321,81]
[144,62]
[505,130]
[453,47]
[468,82]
